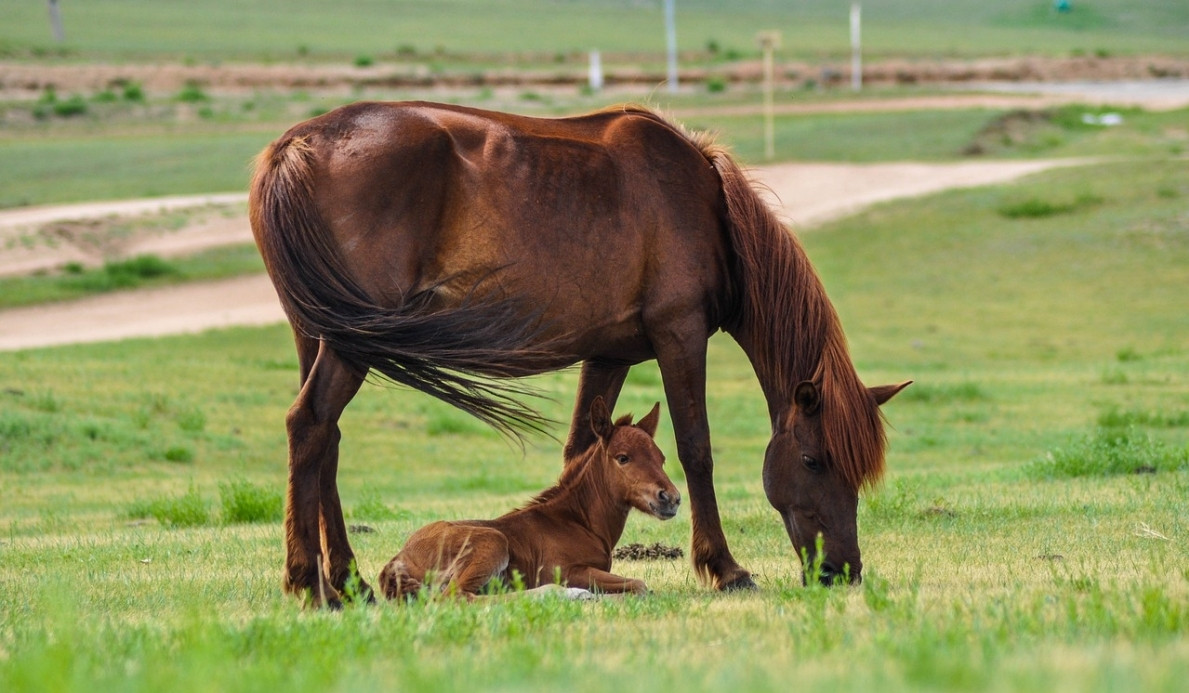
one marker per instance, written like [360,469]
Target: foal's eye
[622,459]
[811,463]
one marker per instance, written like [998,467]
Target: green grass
[128,150]
[980,573]
[310,30]
[144,271]
[106,165]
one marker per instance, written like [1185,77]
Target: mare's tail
[448,353]
[396,583]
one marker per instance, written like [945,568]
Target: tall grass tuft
[1109,452]
[187,510]
[244,502]
[1119,418]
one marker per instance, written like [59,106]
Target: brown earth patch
[21,79]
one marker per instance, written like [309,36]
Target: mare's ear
[882,393]
[600,418]
[650,420]
[807,397]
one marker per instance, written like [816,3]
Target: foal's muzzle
[665,505]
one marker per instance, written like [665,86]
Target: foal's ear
[650,420]
[600,418]
[882,393]
[807,397]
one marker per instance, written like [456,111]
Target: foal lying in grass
[565,534]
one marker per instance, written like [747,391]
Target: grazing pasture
[1030,535]
[441,31]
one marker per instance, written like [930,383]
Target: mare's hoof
[739,584]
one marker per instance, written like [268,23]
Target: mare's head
[815,485]
[634,465]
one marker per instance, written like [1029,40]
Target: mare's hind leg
[328,385]
[596,379]
[682,359]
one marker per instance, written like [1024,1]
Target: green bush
[244,502]
[74,106]
[1109,452]
[178,453]
[192,93]
[133,92]
[187,510]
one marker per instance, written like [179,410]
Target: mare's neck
[786,324]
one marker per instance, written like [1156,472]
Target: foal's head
[634,465]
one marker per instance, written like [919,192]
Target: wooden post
[671,42]
[596,71]
[769,41]
[56,22]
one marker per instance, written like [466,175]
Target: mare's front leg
[681,354]
[597,379]
[597,580]
[313,517]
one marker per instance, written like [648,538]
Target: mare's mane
[787,323]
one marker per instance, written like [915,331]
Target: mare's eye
[622,459]
[811,463]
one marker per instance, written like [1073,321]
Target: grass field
[311,30]
[119,150]
[1030,535]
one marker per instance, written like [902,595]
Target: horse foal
[565,534]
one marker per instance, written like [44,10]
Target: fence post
[856,52]
[769,41]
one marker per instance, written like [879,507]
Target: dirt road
[806,194]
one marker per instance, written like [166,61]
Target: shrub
[187,510]
[178,453]
[133,92]
[1116,418]
[74,106]
[192,93]
[1109,452]
[716,84]
[245,502]
[363,61]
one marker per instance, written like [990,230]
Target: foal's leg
[682,359]
[597,580]
[484,558]
[328,385]
[461,558]
[596,379]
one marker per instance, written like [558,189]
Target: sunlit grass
[979,574]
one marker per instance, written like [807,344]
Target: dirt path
[806,194]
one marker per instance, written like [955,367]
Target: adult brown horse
[450,248]
[566,534]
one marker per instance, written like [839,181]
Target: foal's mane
[787,323]
[574,468]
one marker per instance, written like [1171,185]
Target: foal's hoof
[577,594]
[739,584]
